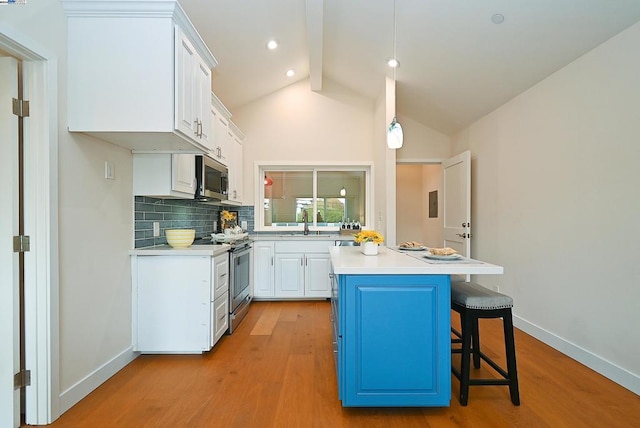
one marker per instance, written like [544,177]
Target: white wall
[95,229]
[413,184]
[297,124]
[555,201]
[422,143]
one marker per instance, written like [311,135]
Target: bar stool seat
[473,301]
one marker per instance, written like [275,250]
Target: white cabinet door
[263,269]
[289,275]
[193,89]
[221,275]
[316,275]
[202,102]
[222,139]
[172,296]
[183,173]
[235,170]
[186,60]
[219,318]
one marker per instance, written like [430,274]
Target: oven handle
[235,255]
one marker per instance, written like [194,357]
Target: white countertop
[194,250]
[350,261]
[299,237]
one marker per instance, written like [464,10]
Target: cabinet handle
[195,122]
[223,274]
[271,260]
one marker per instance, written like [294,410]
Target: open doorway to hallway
[414,183]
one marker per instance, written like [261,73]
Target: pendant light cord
[395,35]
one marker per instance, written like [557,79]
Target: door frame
[40,75]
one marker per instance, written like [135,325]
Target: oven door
[240,269]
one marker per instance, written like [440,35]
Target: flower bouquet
[369,241]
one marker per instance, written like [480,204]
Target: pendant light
[395,136]
[343,191]
[267,180]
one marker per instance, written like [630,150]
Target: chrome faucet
[305,219]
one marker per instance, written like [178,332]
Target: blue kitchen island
[391,326]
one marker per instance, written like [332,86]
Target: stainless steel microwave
[212,179]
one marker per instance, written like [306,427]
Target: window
[329,195]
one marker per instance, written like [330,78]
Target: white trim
[420,161]
[41,223]
[259,167]
[606,368]
[72,395]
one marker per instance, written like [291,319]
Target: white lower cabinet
[316,275]
[292,269]
[220,298]
[219,318]
[177,303]
[263,269]
[289,275]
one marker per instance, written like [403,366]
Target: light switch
[109,170]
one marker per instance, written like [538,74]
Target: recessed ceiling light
[497,18]
[290,73]
[272,44]
[393,63]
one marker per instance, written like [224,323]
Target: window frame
[262,167]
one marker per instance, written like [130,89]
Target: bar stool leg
[465,369]
[475,338]
[511,358]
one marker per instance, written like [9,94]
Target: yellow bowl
[180,238]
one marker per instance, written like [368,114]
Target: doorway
[434,202]
[415,218]
[39,85]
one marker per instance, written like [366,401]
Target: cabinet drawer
[303,246]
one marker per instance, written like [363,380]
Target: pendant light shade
[395,136]
[343,191]
[268,181]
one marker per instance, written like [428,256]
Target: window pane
[342,196]
[286,193]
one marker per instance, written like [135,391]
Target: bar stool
[472,302]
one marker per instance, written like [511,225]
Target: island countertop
[350,261]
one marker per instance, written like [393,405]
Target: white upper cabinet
[164,175]
[236,165]
[193,86]
[139,75]
[219,133]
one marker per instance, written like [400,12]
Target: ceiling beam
[315,9]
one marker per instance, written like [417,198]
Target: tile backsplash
[179,214]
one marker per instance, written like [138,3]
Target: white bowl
[180,238]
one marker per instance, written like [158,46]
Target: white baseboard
[606,368]
[77,392]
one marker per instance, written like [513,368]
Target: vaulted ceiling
[456,63]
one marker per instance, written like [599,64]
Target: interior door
[456,184]
[9,265]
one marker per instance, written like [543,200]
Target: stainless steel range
[240,280]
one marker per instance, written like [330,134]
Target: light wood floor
[277,370]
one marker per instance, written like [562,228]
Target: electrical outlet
[244,225]
[156,229]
